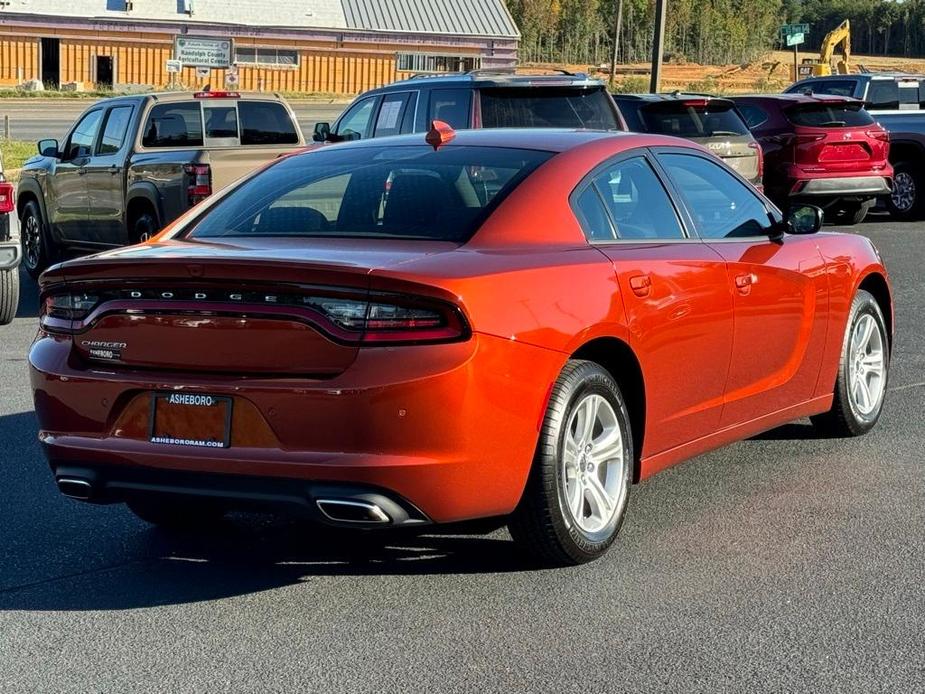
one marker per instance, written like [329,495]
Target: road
[34,119]
[783,563]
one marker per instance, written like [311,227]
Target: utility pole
[617,28]
[658,42]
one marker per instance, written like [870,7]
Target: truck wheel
[9,295]
[851,213]
[37,252]
[905,201]
[144,227]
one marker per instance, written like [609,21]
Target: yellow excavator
[827,63]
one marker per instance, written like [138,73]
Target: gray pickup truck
[897,102]
[9,251]
[131,165]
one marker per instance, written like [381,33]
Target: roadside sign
[194,51]
[174,66]
[788,30]
[795,39]
[231,76]
[203,72]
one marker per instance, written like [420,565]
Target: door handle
[114,169]
[745,281]
[641,285]
[82,170]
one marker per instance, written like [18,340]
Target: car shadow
[795,431]
[28,296]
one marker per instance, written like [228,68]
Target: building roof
[459,17]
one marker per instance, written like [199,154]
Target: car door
[779,285]
[70,205]
[676,298]
[105,176]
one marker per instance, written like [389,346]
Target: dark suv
[897,102]
[476,99]
[709,121]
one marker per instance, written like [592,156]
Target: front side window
[451,106]
[266,123]
[81,140]
[114,131]
[391,114]
[721,205]
[410,192]
[355,123]
[174,125]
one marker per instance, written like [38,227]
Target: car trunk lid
[836,137]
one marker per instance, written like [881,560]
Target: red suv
[820,149]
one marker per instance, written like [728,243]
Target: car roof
[488,78]
[796,98]
[669,97]
[541,139]
[170,97]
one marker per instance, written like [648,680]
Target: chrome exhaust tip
[75,488]
[354,512]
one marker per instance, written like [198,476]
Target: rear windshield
[685,120]
[374,192]
[829,115]
[548,107]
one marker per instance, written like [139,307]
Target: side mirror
[322,132]
[49,148]
[804,219]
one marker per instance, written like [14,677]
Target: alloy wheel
[592,467]
[903,194]
[31,242]
[866,366]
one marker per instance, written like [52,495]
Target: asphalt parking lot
[782,563]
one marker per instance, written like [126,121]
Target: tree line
[708,31]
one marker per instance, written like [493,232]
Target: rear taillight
[760,152]
[391,319]
[881,135]
[60,311]
[200,182]
[7,198]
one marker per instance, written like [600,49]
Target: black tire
[906,200]
[144,226]
[176,513]
[37,251]
[851,213]
[542,524]
[9,295]
[847,417]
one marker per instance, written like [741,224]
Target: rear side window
[114,130]
[410,192]
[266,123]
[548,107]
[636,201]
[753,115]
[451,106]
[847,115]
[692,120]
[174,125]
[883,94]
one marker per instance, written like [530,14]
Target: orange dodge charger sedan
[410,330]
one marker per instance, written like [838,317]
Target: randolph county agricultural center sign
[193,51]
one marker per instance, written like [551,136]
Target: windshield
[687,120]
[410,192]
[830,115]
[548,107]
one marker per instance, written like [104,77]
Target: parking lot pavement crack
[77,574]
[908,386]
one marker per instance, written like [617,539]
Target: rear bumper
[10,248]
[870,186]
[451,429]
